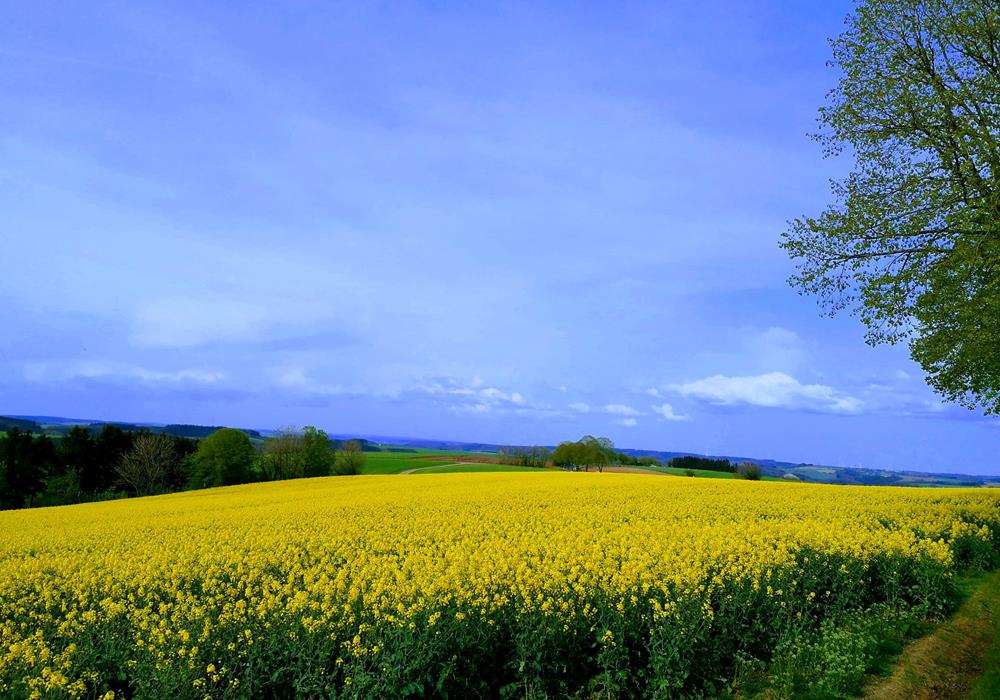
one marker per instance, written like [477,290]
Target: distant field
[396,462]
[433,462]
[697,473]
[459,468]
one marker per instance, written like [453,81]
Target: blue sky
[515,223]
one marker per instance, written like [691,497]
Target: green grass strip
[960,659]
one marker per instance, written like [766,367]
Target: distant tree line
[83,465]
[749,471]
[702,464]
[534,456]
[6,423]
[638,461]
[87,465]
[200,431]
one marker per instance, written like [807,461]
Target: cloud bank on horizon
[516,224]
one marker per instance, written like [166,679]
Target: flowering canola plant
[462,585]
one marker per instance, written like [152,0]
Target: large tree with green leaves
[585,453]
[290,453]
[225,457]
[318,452]
[911,242]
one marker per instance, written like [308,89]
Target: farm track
[947,664]
[435,466]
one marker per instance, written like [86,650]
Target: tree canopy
[318,450]
[291,453]
[586,452]
[98,462]
[524,456]
[350,459]
[911,242]
[146,468]
[25,462]
[225,457]
[701,463]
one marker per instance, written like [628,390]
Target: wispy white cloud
[475,396]
[474,389]
[620,409]
[181,375]
[580,407]
[53,372]
[770,390]
[628,422]
[902,396]
[748,352]
[666,411]
[472,408]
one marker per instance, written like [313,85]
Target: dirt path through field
[946,664]
[435,466]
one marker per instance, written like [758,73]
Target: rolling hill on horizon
[803,471]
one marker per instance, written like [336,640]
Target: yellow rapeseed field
[466,585]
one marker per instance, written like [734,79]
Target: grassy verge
[988,685]
[960,657]
[880,654]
